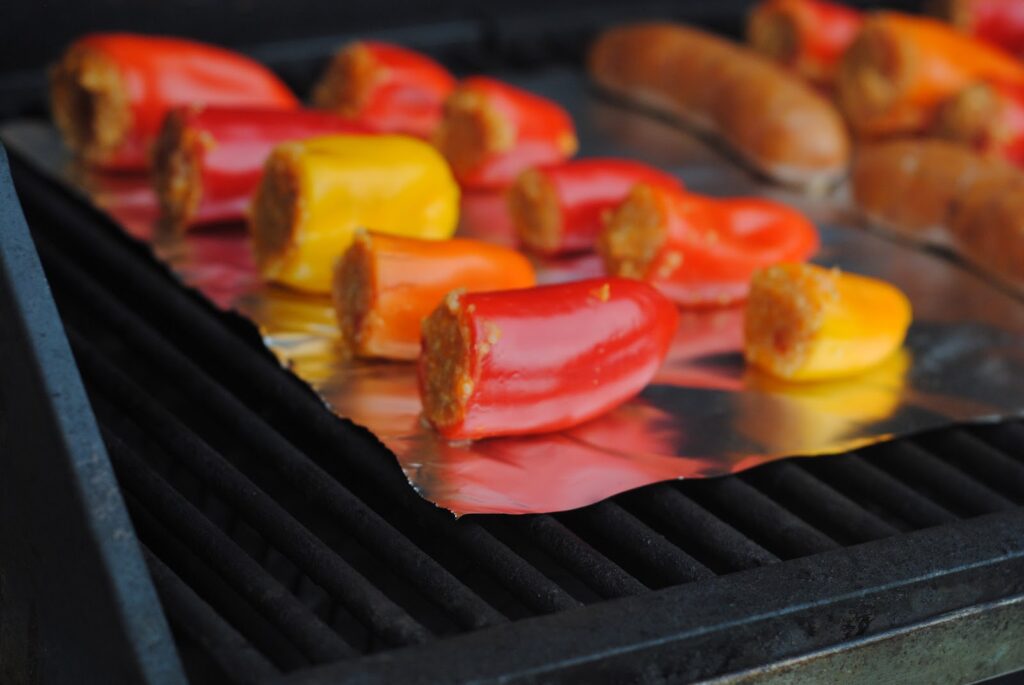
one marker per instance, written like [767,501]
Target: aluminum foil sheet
[705,413]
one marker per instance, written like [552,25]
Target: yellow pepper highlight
[804,322]
[315,193]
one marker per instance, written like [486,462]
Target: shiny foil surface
[705,413]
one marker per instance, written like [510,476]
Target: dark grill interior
[279,536]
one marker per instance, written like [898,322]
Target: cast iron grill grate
[279,537]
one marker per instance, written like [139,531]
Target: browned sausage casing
[773,120]
[946,191]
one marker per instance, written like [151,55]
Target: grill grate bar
[373,531]
[823,504]
[529,586]
[975,456]
[234,656]
[598,572]
[1006,437]
[220,592]
[644,546]
[311,555]
[773,526]
[316,641]
[854,473]
[915,464]
[696,524]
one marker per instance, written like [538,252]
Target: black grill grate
[280,537]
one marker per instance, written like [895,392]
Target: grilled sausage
[769,117]
[973,202]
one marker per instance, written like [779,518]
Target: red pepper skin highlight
[540,359]
[387,88]
[701,251]
[492,131]
[131,81]
[208,160]
[560,209]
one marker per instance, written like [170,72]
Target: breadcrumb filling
[176,171]
[633,235]
[90,103]
[871,73]
[354,293]
[534,207]
[966,117]
[346,86]
[275,208]
[446,356]
[472,130]
[785,311]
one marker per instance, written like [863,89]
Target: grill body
[178,508]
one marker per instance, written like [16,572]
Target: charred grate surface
[280,537]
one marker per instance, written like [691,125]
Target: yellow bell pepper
[315,193]
[804,322]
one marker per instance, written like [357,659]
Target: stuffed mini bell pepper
[388,88]
[804,322]
[110,91]
[560,209]
[807,36]
[540,359]
[315,193]
[491,132]
[385,286]
[700,250]
[208,160]
[902,67]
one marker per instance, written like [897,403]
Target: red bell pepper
[111,91]
[388,88]
[540,359]
[208,160]
[491,132]
[807,36]
[698,250]
[999,22]
[559,209]
[988,117]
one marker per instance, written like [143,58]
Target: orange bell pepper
[384,286]
[491,132]
[807,36]
[901,68]
[805,322]
[700,250]
[110,91]
[388,88]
